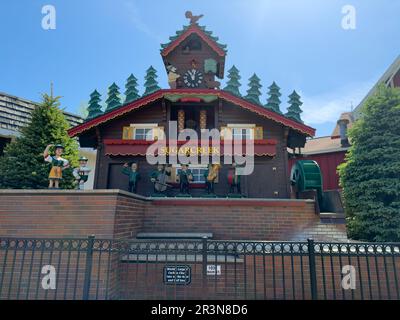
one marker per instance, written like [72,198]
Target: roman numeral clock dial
[192,78]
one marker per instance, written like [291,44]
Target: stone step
[173,235]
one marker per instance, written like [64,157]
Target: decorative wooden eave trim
[115,113]
[190,93]
[268,113]
[272,142]
[194,28]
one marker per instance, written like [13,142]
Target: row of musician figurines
[158,177]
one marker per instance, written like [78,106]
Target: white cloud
[327,107]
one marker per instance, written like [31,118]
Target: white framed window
[196,170]
[143,134]
[147,131]
[242,133]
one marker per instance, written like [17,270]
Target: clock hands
[193,78]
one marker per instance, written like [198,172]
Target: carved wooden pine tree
[294,110]
[273,101]
[233,83]
[151,83]
[131,93]
[94,108]
[113,101]
[254,93]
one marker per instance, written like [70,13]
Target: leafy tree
[23,166]
[370,177]
[151,83]
[113,101]
[294,110]
[233,84]
[274,102]
[254,93]
[132,93]
[94,108]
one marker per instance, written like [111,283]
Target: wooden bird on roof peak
[193,19]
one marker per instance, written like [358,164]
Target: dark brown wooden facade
[270,178]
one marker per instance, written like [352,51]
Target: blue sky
[300,44]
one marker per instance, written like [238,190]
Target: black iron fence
[196,269]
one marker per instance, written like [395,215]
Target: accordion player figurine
[81,173]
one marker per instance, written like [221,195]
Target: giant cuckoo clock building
[195,63]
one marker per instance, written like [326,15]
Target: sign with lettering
[192,151]
[180,275]
[213,270]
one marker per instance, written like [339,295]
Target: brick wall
[70,213]
[238,219]
[107,214]
[267,277]
[120,215]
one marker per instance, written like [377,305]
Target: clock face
[192,78]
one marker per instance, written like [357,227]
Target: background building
[330,151]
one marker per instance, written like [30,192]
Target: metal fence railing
[196,269]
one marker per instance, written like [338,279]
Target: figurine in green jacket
[134,176]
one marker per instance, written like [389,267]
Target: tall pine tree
[113,101]
[23,166]
[94,108]
[131,93]
[151,83]
[233,84]
[274,102]
[293,112]
[370,177]
[254,93]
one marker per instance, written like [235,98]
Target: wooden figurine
[172,76]
[211,175]
[193,19]
[159,179]
[81,173]
[134,175]
[184,177]
[58,164]
[234,179]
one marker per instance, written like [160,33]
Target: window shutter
[258,133]
[127,133]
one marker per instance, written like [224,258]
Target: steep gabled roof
[201,31]
[385,79]
[194,93]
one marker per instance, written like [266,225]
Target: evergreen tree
[274,102]
[131,93]
[254,93]
[294,110]
[233,83]
[23,166]
[151,84]
[370,176]
[113,101]
[94,108]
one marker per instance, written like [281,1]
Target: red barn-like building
[329,152]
